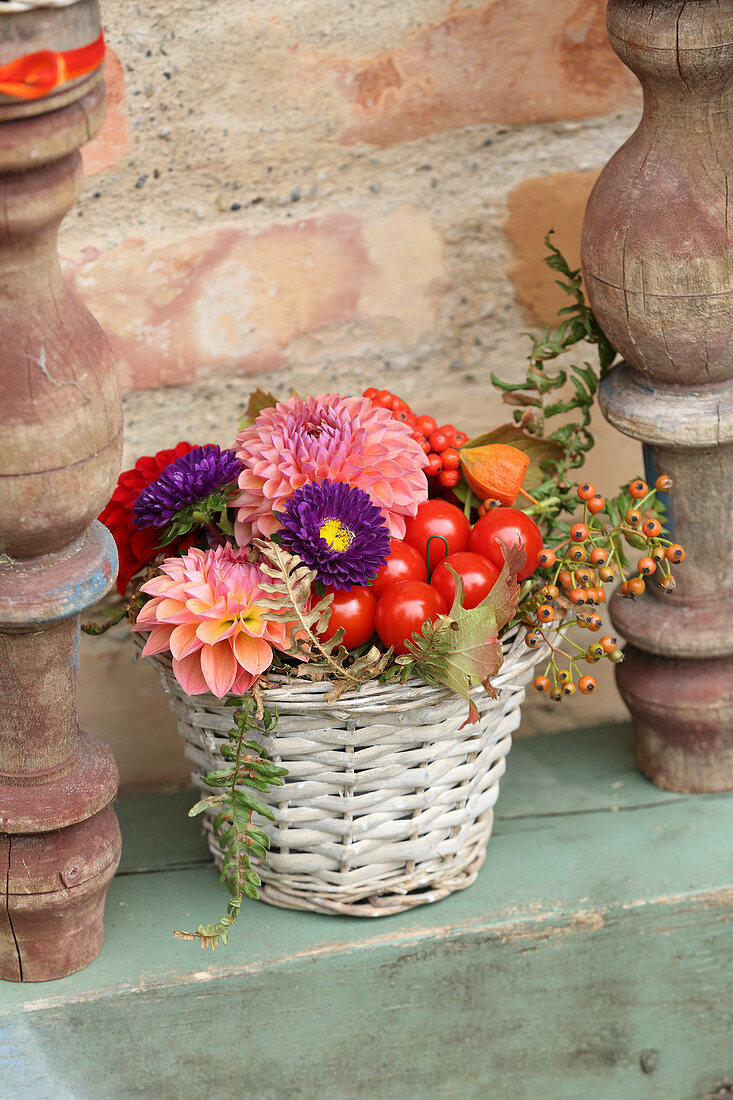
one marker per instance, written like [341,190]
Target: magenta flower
[327,438]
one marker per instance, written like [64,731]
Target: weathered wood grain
[60,448]
[657,258]
[598,931]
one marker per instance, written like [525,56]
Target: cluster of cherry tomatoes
[440,444]
[415,584]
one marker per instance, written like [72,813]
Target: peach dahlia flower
[204,610]
[330,438]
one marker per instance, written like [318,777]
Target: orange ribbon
[37,74]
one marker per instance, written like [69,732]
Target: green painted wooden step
[597,937]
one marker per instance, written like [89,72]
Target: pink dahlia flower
[204,610]
[330,438]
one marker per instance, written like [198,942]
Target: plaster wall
[310,194]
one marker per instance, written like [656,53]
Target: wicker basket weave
[388,803]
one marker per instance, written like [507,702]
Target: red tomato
[478,573]
[513,527]
[437,517]
[354,611]
[403,564]
[403,610]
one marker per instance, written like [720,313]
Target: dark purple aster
[188,480]
[337,530]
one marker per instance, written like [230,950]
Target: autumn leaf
[504,594]
[259,400]
[462,649]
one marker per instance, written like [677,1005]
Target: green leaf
[474,655]
[259,835]
[244,780]
[587,373]
[258,850]
[268,770]
[510,387]
[504,596]
[225,525]
[255,749]
[206,804]
[199,514]
[221,824]
[248,802]
[218,777]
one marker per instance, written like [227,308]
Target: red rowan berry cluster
[579,565]
[440,444]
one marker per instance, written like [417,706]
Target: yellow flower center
[252,619]
[336,535]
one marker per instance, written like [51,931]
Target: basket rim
[516,657]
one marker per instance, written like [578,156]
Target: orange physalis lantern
[496,470]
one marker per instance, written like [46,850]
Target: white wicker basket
[388,803]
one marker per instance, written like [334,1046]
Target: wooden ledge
[596,938]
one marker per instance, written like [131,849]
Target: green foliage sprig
[238,837]
[210,513]
[128,609]
[578,324]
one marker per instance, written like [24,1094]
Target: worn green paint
[599,927]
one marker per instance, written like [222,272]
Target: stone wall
[315,195]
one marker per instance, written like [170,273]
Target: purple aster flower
[337,530]
[188,480]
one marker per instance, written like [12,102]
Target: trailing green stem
[233,827]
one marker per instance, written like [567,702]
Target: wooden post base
[54,889]
[683,719]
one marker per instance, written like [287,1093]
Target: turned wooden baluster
[60,444]
[658,266]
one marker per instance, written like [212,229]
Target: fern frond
[289,599]
[238,837]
